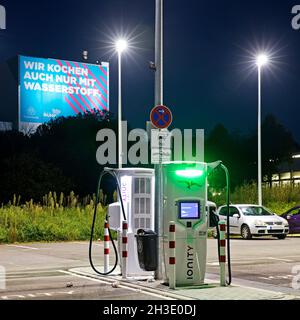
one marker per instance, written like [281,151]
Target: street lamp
[121,46]
[261,60]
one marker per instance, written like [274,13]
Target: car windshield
[255,211]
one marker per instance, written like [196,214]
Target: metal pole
[259,180]
[159,40]
[159,101]
[120,109]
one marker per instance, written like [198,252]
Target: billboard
[49,88]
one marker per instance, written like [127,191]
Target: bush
[279,199]
[62,219]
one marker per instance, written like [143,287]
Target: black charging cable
[113,174]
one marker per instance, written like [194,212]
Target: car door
[234,221]
[296,221]
[293,218]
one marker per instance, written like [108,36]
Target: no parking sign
[161,117]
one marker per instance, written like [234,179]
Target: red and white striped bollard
[222,259]
[172,255]
[124,249]
[106,247]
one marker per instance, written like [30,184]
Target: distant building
[288,172]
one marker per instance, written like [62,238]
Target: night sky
[209,45]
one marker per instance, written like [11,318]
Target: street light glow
[121,45]
[261,60]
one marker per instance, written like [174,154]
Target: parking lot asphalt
[39,270]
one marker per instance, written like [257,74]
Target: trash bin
[147,249]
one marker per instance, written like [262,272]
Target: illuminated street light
[261,60]
[121,45]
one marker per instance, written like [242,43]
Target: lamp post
[261,60]
[159,92]
[121,46]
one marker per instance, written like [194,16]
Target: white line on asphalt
[215,263]
[120,286]
[282,277]
[279,259]
[86,244]
[22,247]
[36,295]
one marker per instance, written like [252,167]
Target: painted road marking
[213,263]
[284,277]
[216,263]
[86,244]
[22,247]
[136,289]
[279,259]
[36,295]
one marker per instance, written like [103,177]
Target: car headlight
[260,223]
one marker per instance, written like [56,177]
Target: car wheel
[281,236]
[245,232]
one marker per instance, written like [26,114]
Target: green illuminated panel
[189,173]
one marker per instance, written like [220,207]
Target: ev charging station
[175,193]
[185,198]
[137,196]
[184,193]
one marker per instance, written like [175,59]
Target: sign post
[159,40]
[161,118]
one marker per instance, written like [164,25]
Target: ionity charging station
[182,248]
[185,198]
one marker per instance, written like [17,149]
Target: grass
[66,218]
[278,199]
[56,219]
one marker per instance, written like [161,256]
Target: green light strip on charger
[189,173]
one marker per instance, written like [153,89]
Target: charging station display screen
[189,210]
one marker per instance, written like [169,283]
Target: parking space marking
[36,295]
[236,261]
[213,263]
[279,259]
[22,247]
[157,295]
[282,277]
[86,244]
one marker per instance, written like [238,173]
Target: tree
[278,145]
[26,175]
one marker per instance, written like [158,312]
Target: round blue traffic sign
[161,117]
